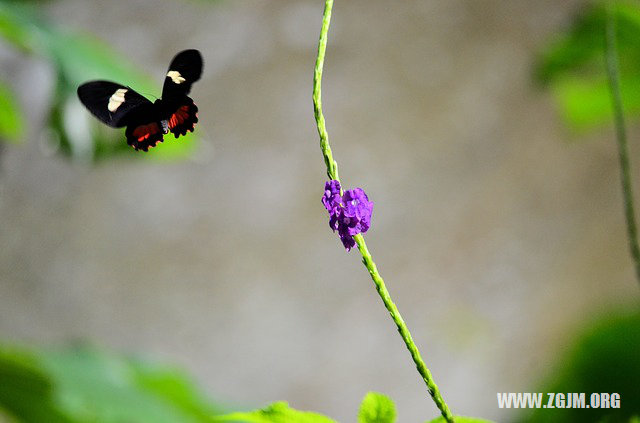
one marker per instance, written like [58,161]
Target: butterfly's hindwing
[112,103]
[143,136]
[184,119]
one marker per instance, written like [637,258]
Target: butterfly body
[119,106]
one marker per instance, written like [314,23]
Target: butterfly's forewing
[184,70]
[114,104]
[117,106]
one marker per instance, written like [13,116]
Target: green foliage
[84,385]
[376,408]
[11,120]
[26,390]
[461,419]
[77,59]
[603,359]
[573,66]
[278,412]
[174,386]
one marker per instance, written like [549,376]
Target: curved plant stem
[332,172]
[332,166]
[611,56]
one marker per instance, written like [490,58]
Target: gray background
[498,232]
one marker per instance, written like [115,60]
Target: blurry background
[499,230]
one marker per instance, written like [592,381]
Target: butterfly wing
[118,106]
[184,118]
[114,104]
[184,70]
[143,136]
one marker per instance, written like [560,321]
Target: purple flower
[349,214]
[357,210]
[331,198]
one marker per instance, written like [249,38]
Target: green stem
[402,329]
[332,172]
[332,166]
[611,56]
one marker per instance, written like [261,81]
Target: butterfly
[147,122]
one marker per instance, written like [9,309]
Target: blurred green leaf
[175,387]
[461,419]
[604,358]
[14,29]
[11,120]
[87,385]
[94,386]
[581,48]
[573,67]
[376,408]
[77,59]
[278,412]
[586,103]
[25,390]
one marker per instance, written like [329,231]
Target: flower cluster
[349,213]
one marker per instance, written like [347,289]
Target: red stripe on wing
[142,137]
[184,119]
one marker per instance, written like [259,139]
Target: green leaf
[581,48]
[11,120]
[86,385]
[94,386]
[586,103]
[603,357]
[14,28]
[76,57]
[573,67]
[173,386]
[460,419]
[26,391]
[278,412]
[376,408]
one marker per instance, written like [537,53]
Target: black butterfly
[147,122]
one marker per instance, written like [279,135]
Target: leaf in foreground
[376,408]
[278,412]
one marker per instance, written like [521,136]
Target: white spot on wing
[175,77]
[116,99]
